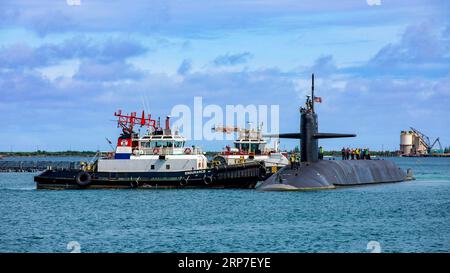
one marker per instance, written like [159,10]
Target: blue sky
[65,69]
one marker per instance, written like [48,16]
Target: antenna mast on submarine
[308,133]
[312,93]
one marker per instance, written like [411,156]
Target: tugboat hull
[241,176]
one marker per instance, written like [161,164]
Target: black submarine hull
[330,174]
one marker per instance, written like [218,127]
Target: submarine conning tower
[309,126]
[312,173]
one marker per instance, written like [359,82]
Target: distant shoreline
[45,153]
[61,154]
[93,153]
[209,153]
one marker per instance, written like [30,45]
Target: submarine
[314,174]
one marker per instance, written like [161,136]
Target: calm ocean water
[404,217]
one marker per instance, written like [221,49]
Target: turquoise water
[404,217]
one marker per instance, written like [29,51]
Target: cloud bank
[227,52]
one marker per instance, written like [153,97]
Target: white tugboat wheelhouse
[158,150]
[250,146]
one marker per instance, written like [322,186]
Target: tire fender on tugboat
[207,179]
[83,178]
[134,184]
[262,171]
[183,181]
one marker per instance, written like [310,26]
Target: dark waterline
[404,217]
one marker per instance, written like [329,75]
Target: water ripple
[404,217]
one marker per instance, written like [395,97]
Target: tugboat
[250,147]
[158,159]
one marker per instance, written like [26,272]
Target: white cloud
[73,2]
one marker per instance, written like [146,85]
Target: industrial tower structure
[415,143]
